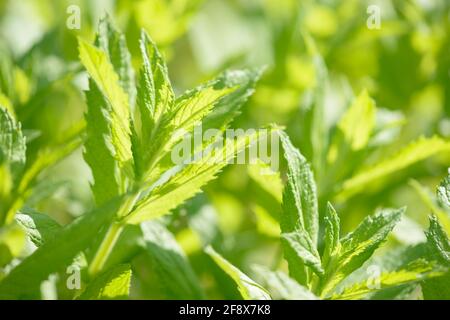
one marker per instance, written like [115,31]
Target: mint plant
[128,154]
[341,256]
[316,273]
[127,146]
[147,225]
[21,179]
[438,238]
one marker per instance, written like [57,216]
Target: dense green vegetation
[97,98]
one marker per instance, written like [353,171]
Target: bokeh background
[404,66]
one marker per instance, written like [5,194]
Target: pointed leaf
[416,151]
[357,247]
[300,213]
[113,42]
[110,285]
[12,142]
[443,192]
[414,272]
[100,153]
[332,234]
[358,122]
[301,245]
[281,286]
[102,72]
[248,288]
[168,262]
[58,253]
[40,228]
[188,181]
[439,240]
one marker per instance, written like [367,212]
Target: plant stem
[113,233]
[105,248]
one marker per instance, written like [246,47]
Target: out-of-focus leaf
[281,286]
[46,157]
[248,288]
[12,242]
[267,179]
[318,129]
[357,123]
[433,204]
[110,285]
[165,258]
[40,228]
[351,138]
[58,253]
[412,273]
[416,151]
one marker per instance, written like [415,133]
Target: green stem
[113,233]
[105,248]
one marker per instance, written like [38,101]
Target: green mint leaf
[439,240]
[12,143]
[112,103]
[168,263]
[113,42]
[281,286]
[99,148]
[110,285]
[443,192]
[58,253]
[332,234]
[40,228]
[300,213]
[188,181]
[358,246]
[248,288]
[300,244]
[414,272]
[416,151]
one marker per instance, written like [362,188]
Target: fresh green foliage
[439,239]
[169,263]
[114,149]
[444,192]
[248,289]
[94,110]
[58,253]
[341,255]
[414,272]
[40,228]
[12,154]
[113,284]
[281,286]
[416,151]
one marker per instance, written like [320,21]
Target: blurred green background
[404,66]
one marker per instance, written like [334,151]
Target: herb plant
[93,204]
